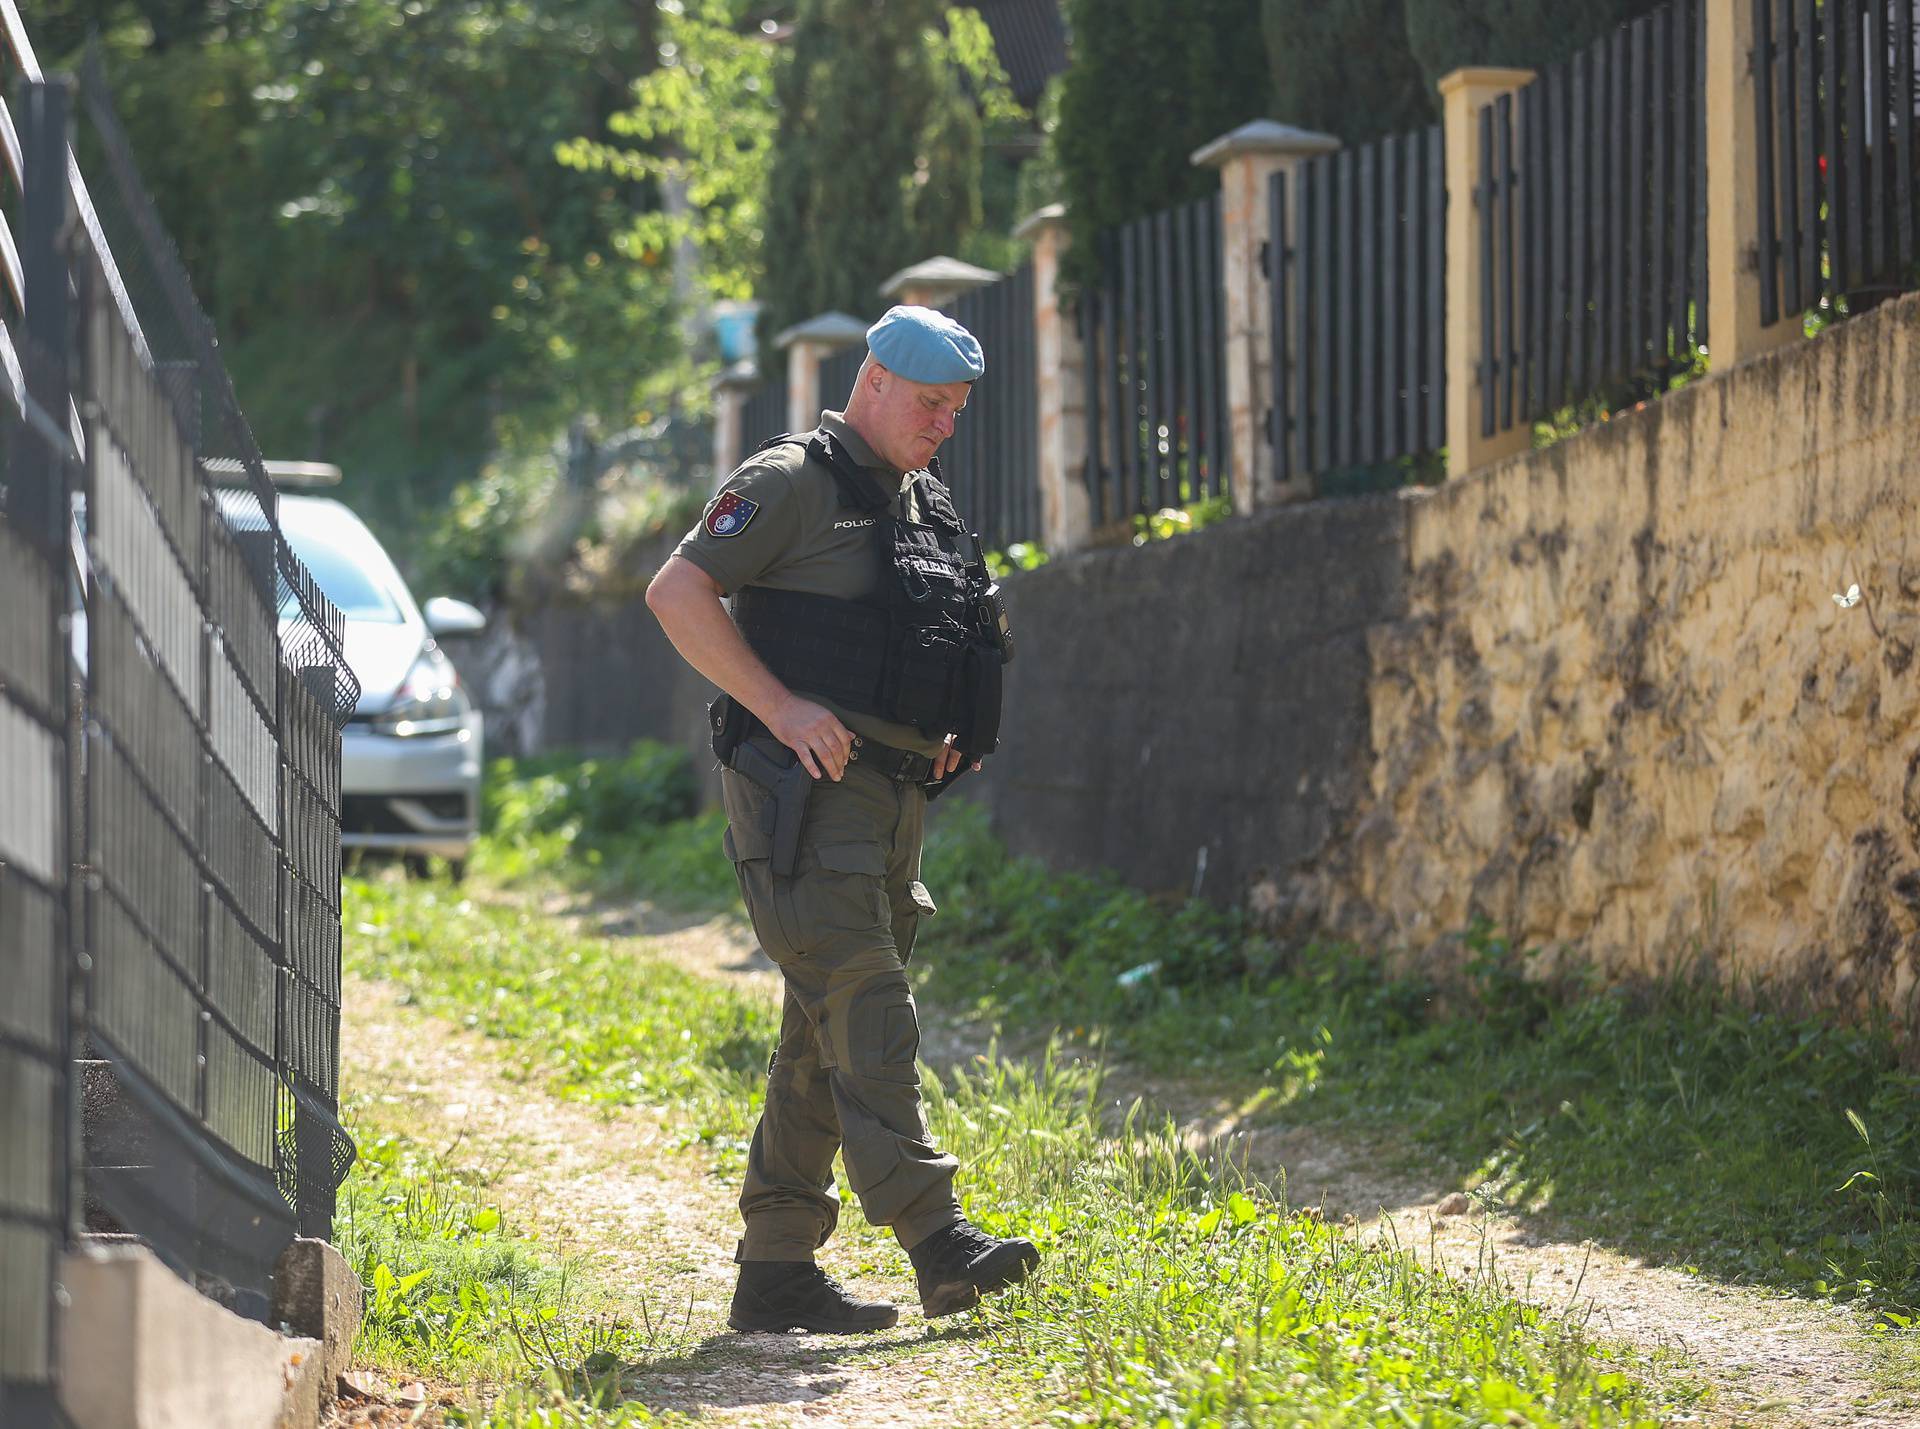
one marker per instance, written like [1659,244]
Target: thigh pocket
[844,892]
[768,899]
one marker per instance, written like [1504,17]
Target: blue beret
[925,346]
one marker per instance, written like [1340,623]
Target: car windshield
[356,591]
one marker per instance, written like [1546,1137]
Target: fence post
[1732,157]
[1060,382]
[1247,158]
[805,345]
[935,282]
[730,390]
[1463,94]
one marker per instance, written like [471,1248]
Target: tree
[368,199]
[1345,67]
[1446,34]
[1150,83]
[876,164]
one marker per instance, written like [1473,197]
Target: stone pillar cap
[1053,213]
[939,273]
[834,329]
[1264,136]
[1484,77]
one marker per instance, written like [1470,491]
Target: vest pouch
[980,700]
[929,660]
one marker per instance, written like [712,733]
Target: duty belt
[903,766]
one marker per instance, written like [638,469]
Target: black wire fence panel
[992,460]
[764,415]
[1592,199]
[1358,295]
[38,761]
[215,684]
[1154,332]
[36,1086]
[1835,98]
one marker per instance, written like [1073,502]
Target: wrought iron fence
[1835,100]
[1357,283]
[1593,198]
[992,460]
[190,980]
[764,414]
[1153,329]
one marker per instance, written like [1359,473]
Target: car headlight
[430,700]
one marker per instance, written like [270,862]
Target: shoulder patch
[729,515]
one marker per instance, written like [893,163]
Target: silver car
[410,757]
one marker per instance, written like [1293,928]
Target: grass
[1673,1120]
[1175,1293]
[650,1032]
[1678,1121]
[454,1294]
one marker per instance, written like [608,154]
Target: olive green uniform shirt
[799,537]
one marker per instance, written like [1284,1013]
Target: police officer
[860,665]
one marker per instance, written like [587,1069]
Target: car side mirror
[446,616]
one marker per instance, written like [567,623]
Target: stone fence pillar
[1246,158]
[730,391]
[1066,516]
[1463,94]
[805,345]
[1734,330]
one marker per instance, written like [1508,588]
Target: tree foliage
[368,198]
[877,161]
[1150,83]
[1345,67]
[1446,34]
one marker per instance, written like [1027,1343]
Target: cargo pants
[844,1074]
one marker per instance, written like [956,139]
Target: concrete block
[317,1296]
[141,1349]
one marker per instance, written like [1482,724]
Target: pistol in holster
[788,785]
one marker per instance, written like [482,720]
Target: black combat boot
[953,1268]
[780,1295]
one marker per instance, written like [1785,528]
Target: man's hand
[949,759]
[812,733]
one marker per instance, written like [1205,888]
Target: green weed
[449,1291]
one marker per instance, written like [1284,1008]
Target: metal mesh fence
[218,683]
[171,687]
[35,1051]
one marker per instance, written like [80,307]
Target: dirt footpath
[608,1189]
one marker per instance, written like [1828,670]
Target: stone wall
[1598,694]
[1622,711]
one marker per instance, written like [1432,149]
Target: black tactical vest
[923,648]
